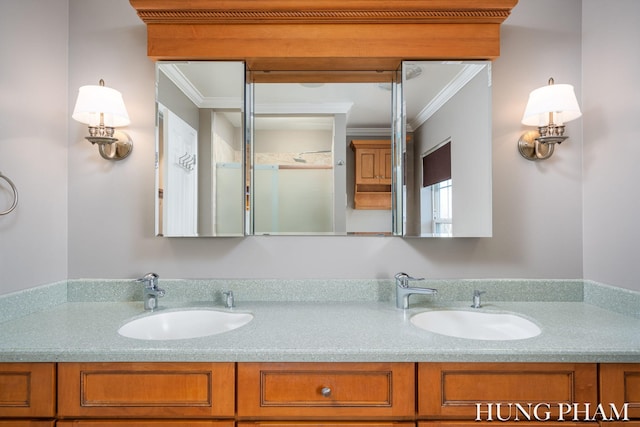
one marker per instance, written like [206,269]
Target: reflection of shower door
[229,199]
[265,199]
[180,210]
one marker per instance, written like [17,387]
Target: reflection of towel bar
[15,194]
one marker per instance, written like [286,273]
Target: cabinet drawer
[26,423]
[326,390]
[27,390]
[452,390]
[508,424]
[165,390]
[142,423]
[620,424]
[619,384]
[326,424]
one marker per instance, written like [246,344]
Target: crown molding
[458,82]
[323,35]
[174,74]
[369,132]
[320,16]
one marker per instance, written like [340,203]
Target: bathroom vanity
[358,361]
[309,394]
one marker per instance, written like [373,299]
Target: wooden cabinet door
[508,424]
[26,423]
[327,424]
[326,391]
[452,390]
[619,384]
[386,165]
[367,166]
[27,390]
[162,390]
[373,165]
[144,423]
[620,424]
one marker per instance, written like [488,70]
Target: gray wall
[611,176]
[34,118]
[538,207]
[465,121]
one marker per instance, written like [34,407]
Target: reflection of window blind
[436,166]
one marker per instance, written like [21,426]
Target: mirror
[303,165]
[447,152]
[200,148]
[319,156]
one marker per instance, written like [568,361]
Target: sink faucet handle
[229,301]
[402,279]
[150,280]
[476,298]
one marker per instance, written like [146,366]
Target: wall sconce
[549,108]
[102,108]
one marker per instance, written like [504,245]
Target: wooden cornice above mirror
[323,35]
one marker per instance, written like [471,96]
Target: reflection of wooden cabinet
[373,161]
[373,169]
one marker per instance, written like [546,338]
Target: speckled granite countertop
[293,321]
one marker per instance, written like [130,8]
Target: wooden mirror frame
[280,37]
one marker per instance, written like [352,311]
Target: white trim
[458,82]
[369,132]
[303,108]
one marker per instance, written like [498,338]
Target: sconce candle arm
[546,152]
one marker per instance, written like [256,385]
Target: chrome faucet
[151,291]
[403,291]
[476,298]
[229,301]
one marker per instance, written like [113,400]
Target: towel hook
[15,194]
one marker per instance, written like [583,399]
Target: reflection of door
[180,210]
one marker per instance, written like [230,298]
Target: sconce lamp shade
[102,108]
[559,99]
[93,100]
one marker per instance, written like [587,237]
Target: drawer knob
[326,391]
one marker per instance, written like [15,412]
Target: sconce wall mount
[548,108]
[119,149]
[102,109]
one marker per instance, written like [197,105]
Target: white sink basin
[477,325]
[182,324]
